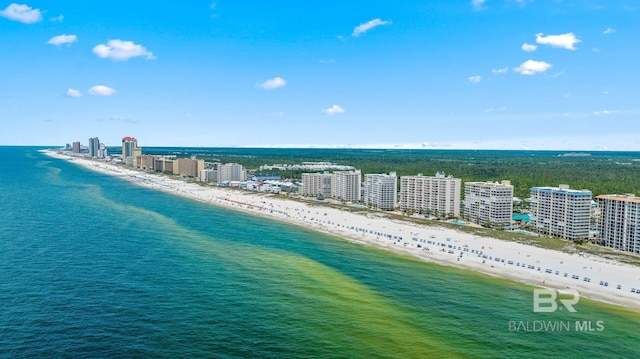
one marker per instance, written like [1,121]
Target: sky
[472,74]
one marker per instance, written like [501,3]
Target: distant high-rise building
[190,167]
[146,162]
[560,211]
[381,191]
[103,152]
[488,203]
[94,147]
[316,185]
[161,164]
[76,147]
[439,194]
[208,175]
[619,223]
[231,172]
[130,150]
[346,186]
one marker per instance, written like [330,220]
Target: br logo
[546,300]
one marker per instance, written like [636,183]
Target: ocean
[95,266]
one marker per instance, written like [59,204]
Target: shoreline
[508,260]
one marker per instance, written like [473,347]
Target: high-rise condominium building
[208,175]
[130,150]
[161,164]
[76,147]
[560,211]
[94,147]
[231,172]
[190,167]
[381,191]
[146,162]
[488,203]
[316,184]
[103,152]
[346,185]
[439,194]
[619,223]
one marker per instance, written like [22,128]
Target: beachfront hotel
[146,162]
[560,211]
[164,165]
[155,163]
[221,173]
[130,150]
[316,184]
[346,186]
[488,203]
[619,222]
[438,195]
[94,147]
[381,191]
[189,167]
[208,175]
[230,172]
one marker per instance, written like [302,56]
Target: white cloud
[475,79]
[500,71]
[528,47]
[561,73]
[273,83]
[59,18]
[565,41]
[499,109]
[362,28]
[73,93]
[100,90]
[62,39]
[609,30]
[122,50]
[605,112]
[22,13]
[477,4]
[333,110]
[531,67]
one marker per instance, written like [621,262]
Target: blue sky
[498,74]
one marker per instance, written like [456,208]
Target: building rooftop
[561,188]
[620,197]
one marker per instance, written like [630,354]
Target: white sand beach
[510,260]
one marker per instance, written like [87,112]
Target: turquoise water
[93,266]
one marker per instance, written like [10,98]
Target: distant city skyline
[472,74]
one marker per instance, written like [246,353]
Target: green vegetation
[600,172]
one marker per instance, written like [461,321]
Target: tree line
[600,172]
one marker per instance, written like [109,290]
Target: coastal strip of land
[592,276]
